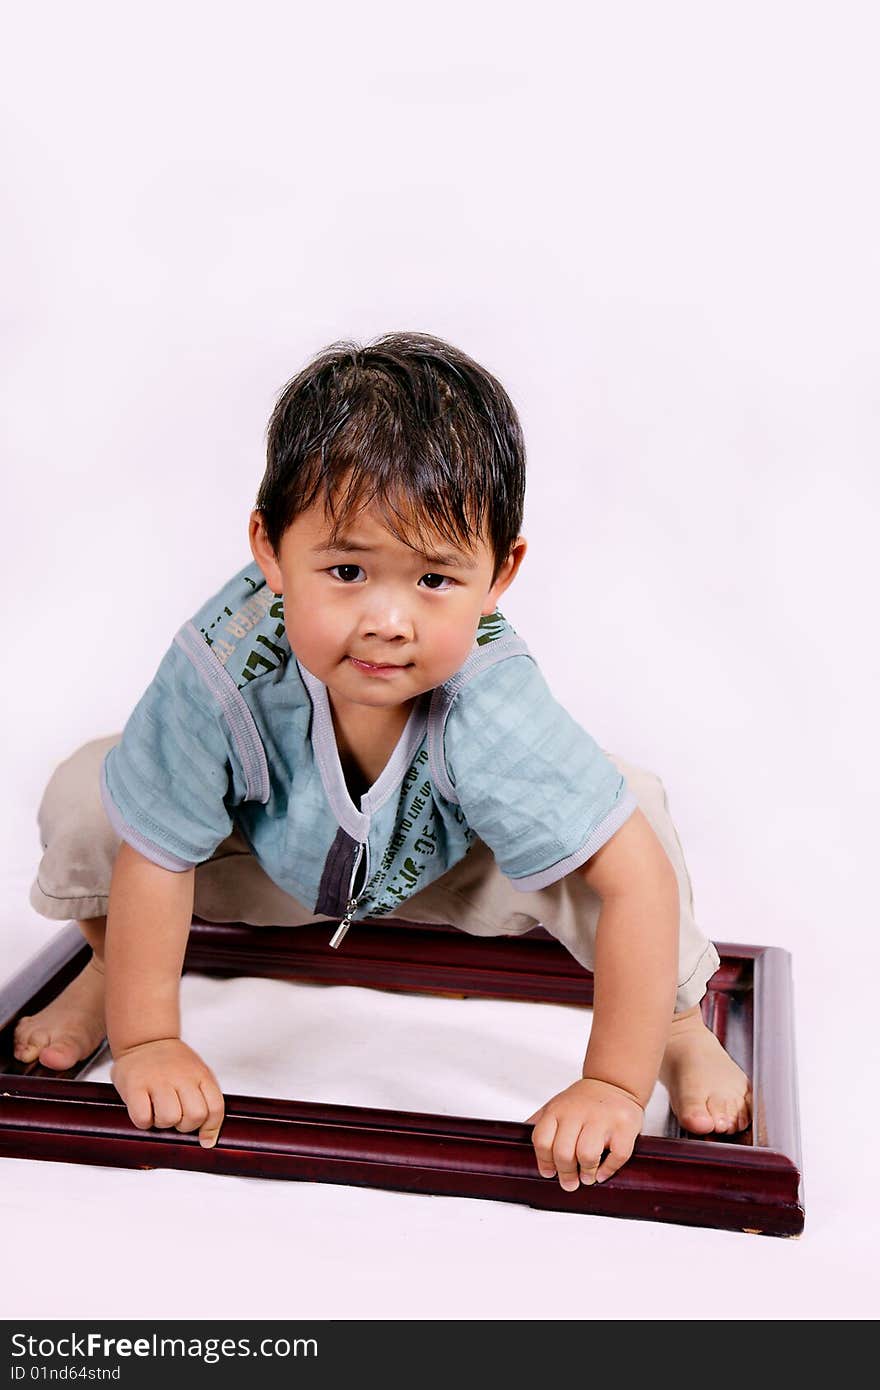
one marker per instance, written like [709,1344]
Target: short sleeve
[531,782]
[166,784]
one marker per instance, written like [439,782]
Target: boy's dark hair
[407,421]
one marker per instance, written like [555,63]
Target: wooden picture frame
[750,1181]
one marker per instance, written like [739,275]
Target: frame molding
[750,1181]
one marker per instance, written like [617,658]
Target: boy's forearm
[149,913]
[634,987]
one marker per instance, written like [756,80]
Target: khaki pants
[80,845]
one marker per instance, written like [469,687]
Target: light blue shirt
[233,730]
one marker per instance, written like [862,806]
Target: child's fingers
[590,1146]
[620,1151]
[140,1108]
[167,1105]
[542,1142]
[193,1105]
[210,1130]
[566,1152]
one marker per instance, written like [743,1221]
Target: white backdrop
[658,225]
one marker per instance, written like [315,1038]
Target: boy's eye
[345,572]
[443,579]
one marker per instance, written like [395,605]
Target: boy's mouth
[372,668]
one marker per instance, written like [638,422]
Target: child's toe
[61,1052]
[28,1043]
[722,1109]
[694,1116]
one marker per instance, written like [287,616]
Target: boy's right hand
[166,1084]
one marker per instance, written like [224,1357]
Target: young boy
[350,728]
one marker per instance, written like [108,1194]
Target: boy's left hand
[576,1126]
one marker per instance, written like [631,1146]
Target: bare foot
[70,1027]
[708,1092]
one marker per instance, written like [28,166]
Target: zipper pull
[345,923]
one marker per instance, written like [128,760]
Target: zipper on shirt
[354,898]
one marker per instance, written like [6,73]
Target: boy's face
[378,622]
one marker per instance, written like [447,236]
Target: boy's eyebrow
[449,559]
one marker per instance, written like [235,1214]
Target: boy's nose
[387,623]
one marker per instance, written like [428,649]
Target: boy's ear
[263,553]
[506,575]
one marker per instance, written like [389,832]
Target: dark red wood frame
[749,1182]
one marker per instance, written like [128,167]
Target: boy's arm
[162,1081]
[149,913]
[636,958]
[635,967]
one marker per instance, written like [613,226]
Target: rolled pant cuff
[691,990]
[66,909]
